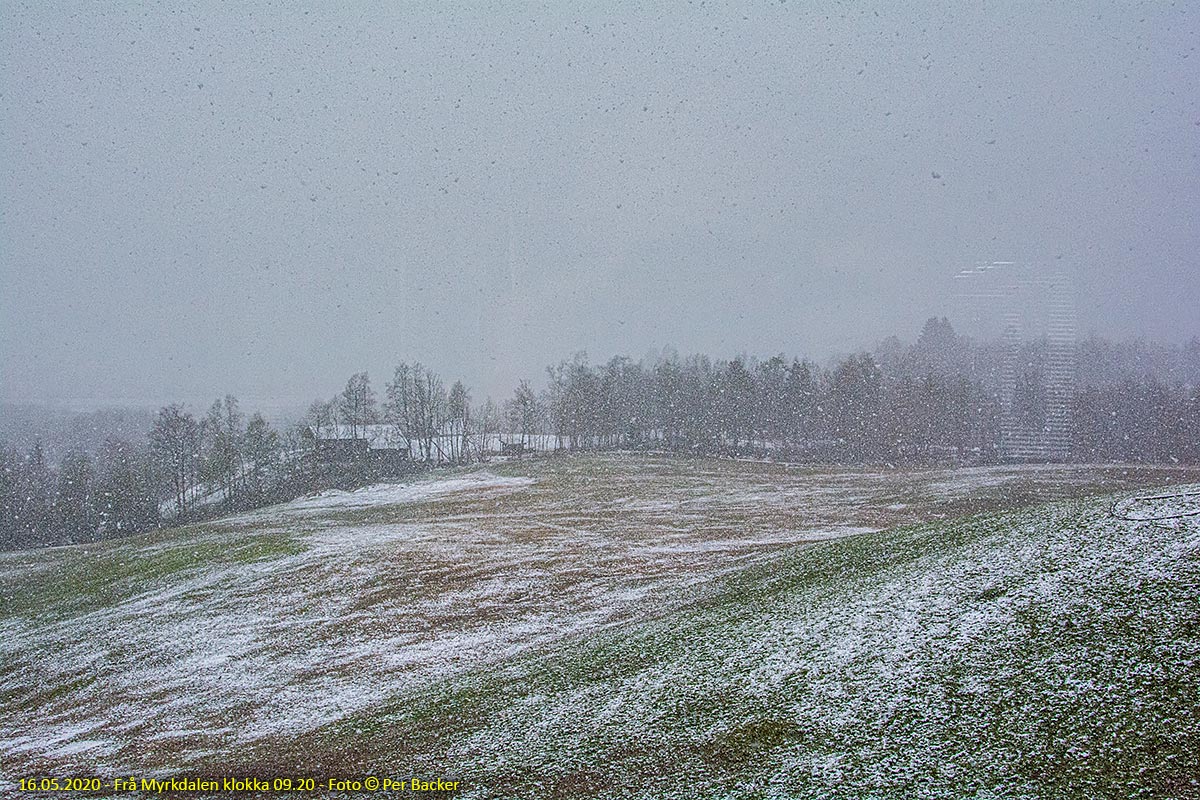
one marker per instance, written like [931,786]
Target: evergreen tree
[76,503]
[35,501]
[262,456]
[9,494]
[126,491]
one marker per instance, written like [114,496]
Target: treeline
[416,405]
[189,468]
[220,462]
[938,400]
[441,426]
[86,498]
[853,412]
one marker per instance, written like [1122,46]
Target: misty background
[261,200]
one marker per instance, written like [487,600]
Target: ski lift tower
[1020,303]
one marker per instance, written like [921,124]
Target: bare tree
[523,412]
[431,410]
[458,408]
[322,417]
[175,445]
[485,426]
[222,433]
[356,405]
[400,407]
[416,407]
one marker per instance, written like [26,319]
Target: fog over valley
[235,199]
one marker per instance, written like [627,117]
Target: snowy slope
[1047,653]
[256,637]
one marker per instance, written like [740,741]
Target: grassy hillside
[1052,652]
[617,627]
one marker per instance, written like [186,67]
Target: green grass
[978,657]
[90,577]
[1103,665]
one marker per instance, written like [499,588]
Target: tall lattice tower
[1020,304]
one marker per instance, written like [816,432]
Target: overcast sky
[261,200]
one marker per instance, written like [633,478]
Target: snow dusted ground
[387,494]
[235,641]
[1046,653]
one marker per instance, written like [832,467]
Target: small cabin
[341,449]
[377,448]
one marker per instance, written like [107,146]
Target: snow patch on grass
[349,616]
[390,494]
[1046,653]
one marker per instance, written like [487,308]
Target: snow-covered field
[1043,654]
[262,638]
